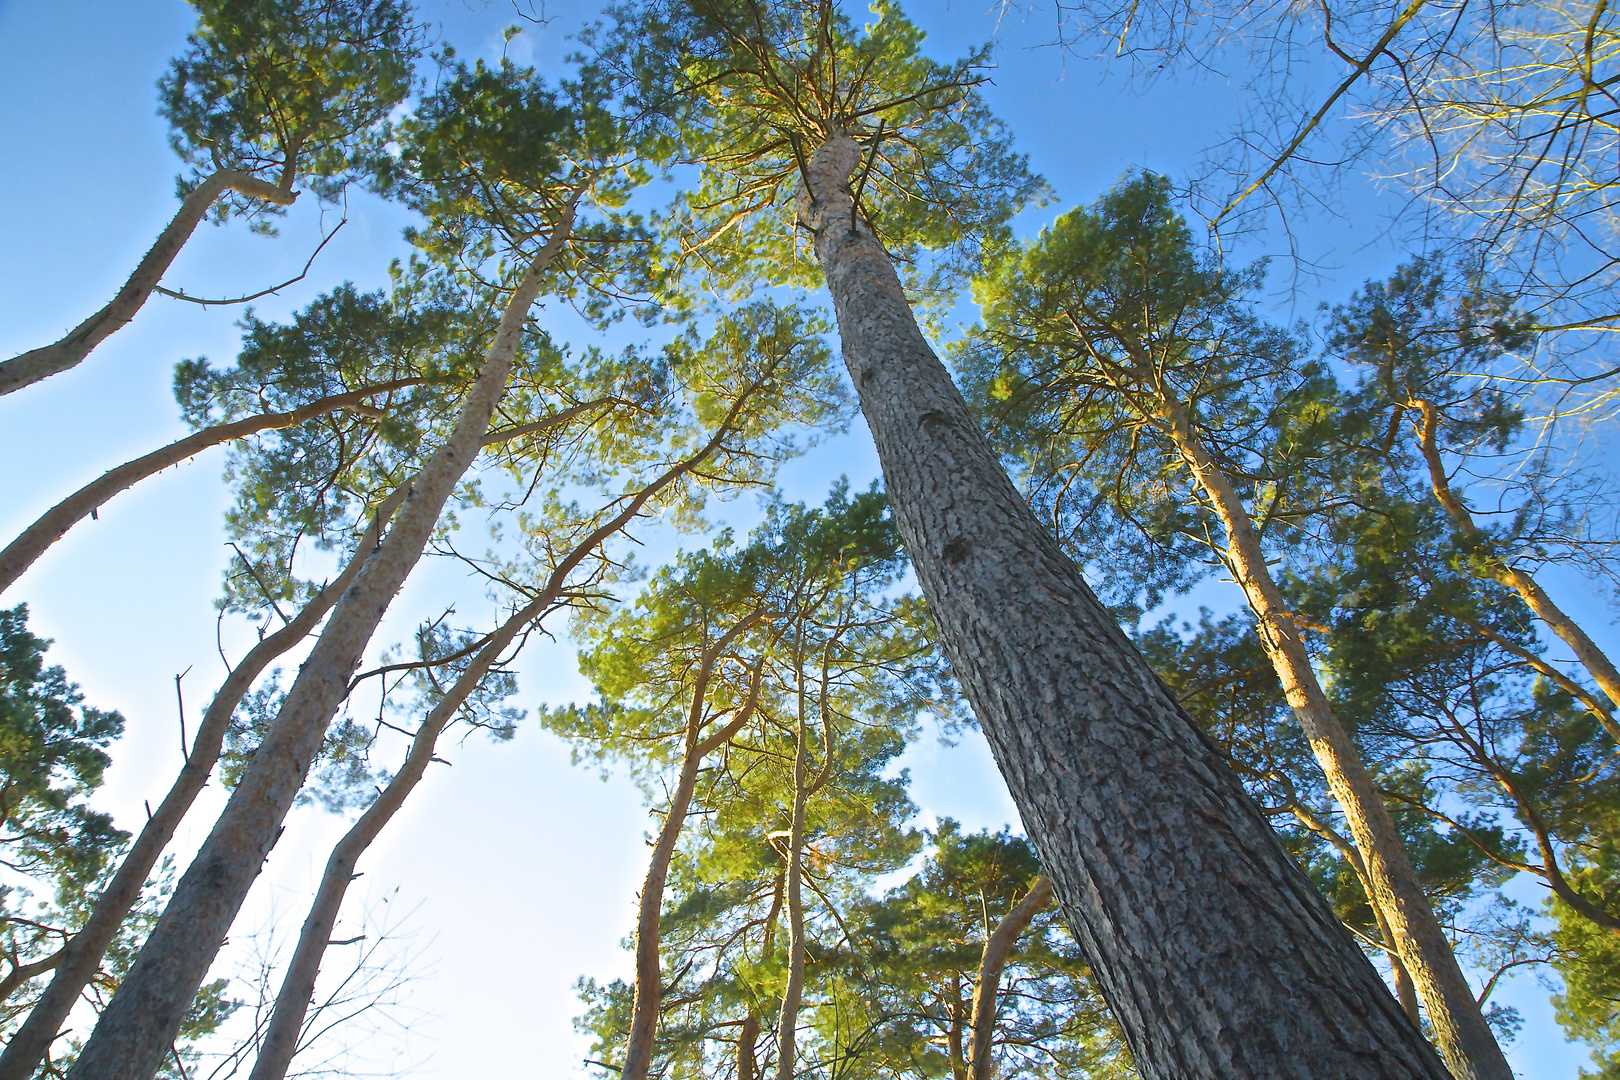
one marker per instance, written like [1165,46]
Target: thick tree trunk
[1465,1039]
[136,1028]
[33,541]
[1214,951]
[1594,659]
[997,948]
[648,990]
[82,956]
[1405,992]
[47,360]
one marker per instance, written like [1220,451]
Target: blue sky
[518,869]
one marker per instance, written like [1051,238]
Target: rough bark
[1464,1038]
[33,541]
[1405,992]
[1490,565]
[47,360]
[648,989]
[1212,948]
[81,957]
[139,1022]
[998,948]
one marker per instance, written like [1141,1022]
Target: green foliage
[53,752]
[916,956]
[798,618]
[747,90]
[493,157]
[296,87]
[1085,332]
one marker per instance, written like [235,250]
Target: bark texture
[81,957]
[47,360]
[1464,1038]
[33,541]
[136,1028]
[998,948]
[1215,953]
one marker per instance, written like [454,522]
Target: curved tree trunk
[1492,566]
[648,990]
[33,541]
[1216,954]
[47,360]
[81,958]
[137,1026]
[998,948]
[1465,1039]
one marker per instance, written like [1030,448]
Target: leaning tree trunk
[33,541]
[998,948]
[59,356]
[1490,565]
[1464,1038]
[81,957]
[1213,949]
[136,1028]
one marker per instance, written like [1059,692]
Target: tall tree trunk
[137,1026]
[1498,569]
[1465,1039]
[997,948]
[787,1025]
[82,955]
[648,990]
[47,360]
[1213,949]
[33,541]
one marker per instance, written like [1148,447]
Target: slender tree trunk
[21,553]
[1498,569]
[747,1037]
[1214,951]
[140,1021]
[48,360]
[998,948]
[1405,992]
[648,991]
[787,1026]
[298,984]
[81,958]
[954,1050]
[1465,1039]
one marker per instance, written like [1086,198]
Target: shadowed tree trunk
[139,1022]
[1214,951]
[47,360]
[997,948]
